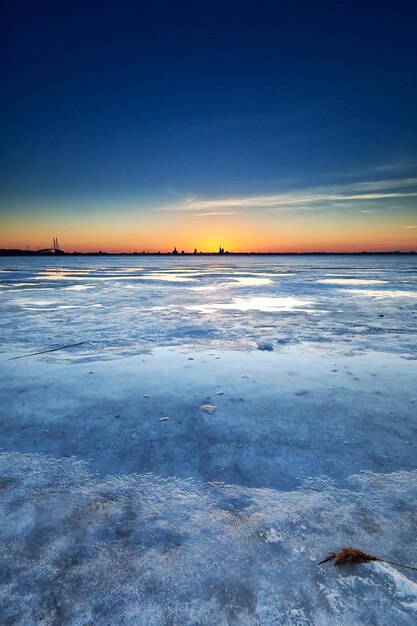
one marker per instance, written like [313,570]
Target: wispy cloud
[305,200]
[214,213]
[400,165]
[412,226]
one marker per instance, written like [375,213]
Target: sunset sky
[257,126]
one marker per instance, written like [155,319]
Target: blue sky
[144,104]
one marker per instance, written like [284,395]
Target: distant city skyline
[252,126]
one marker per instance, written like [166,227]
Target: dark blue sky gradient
[211,98]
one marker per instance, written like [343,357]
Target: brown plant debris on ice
[353,556]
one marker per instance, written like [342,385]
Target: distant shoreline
[36,253]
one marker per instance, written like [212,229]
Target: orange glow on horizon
[235,233]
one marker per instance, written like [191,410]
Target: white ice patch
[24,302]
[257,303]
[60,276]
[250,281]
[404,587]
[8,285]
[168,277]
[351,281]
[271,536]
[388,293]
[208,408]
[63,307]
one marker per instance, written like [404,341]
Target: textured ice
[146,305]
[77,549]
[124,502]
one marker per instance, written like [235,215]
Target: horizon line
[41,252]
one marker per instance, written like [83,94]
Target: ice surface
[276,423]
[124,501]
[164,301]
[81,550]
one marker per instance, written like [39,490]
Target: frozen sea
[222,424]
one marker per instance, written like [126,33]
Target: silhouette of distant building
[221,250]
[175,251]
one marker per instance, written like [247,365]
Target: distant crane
[54,250]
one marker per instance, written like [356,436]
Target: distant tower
[56,247]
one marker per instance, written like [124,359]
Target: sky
[255,126]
